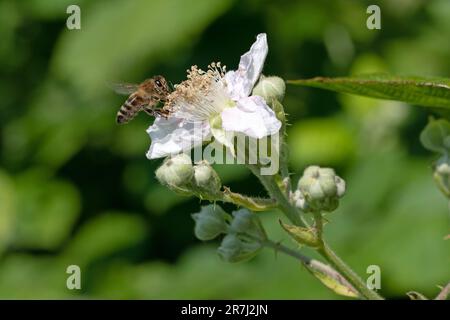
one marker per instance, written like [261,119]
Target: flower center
[201,96]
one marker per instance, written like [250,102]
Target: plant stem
[444,293]
[293,215]
[290,252]
[326,252]
[319,226]
[275,192]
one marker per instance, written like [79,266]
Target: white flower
[215,103]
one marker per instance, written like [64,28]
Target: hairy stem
[319,226]
[275,192]
[278,247]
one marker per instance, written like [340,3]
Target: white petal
[174,135]
[251,116]
[224,137]
[240,82]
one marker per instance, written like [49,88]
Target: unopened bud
[234,248]
[206,179]
[246,222]
[442,175]
[298,200]
[210,222]
[436,136]
[270,88]
[176,173]
[321,188]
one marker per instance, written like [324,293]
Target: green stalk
[276,193]
[347,272]
[324,249]
[278,247]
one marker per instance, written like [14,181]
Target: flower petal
[251,116]
[240,82]
[224,137]
[174,135]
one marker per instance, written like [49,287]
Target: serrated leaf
[422,91]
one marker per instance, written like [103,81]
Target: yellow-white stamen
[201,96]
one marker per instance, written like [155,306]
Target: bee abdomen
[129,109]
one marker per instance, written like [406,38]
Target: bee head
[161,83]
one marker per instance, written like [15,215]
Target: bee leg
[149,111]
[162,113]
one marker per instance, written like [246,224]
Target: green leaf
[302,235]
[414,295]
[129,36]
[46,210]
[428,92]
[331,279]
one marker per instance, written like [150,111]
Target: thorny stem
[324,249]
[284,150]
[319,225]
[274,191]
[278,247]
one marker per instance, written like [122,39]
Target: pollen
[201,95]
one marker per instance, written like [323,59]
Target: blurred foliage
[77,189]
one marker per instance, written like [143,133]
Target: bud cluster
[244,238]
[180,175]
[319,189]
[244,232]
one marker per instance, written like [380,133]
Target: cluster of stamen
[196,98]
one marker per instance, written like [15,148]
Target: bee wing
[124,88]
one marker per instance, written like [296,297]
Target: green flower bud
[321,188]
[442,175]
[246,222]
[270,88]
[210,222]
[206,180]
[235,248]
[176,173]
[436,136]
[298,200]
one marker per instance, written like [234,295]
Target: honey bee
[146,96]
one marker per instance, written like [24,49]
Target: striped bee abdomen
[130,108]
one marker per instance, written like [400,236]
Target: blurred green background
[75,188]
